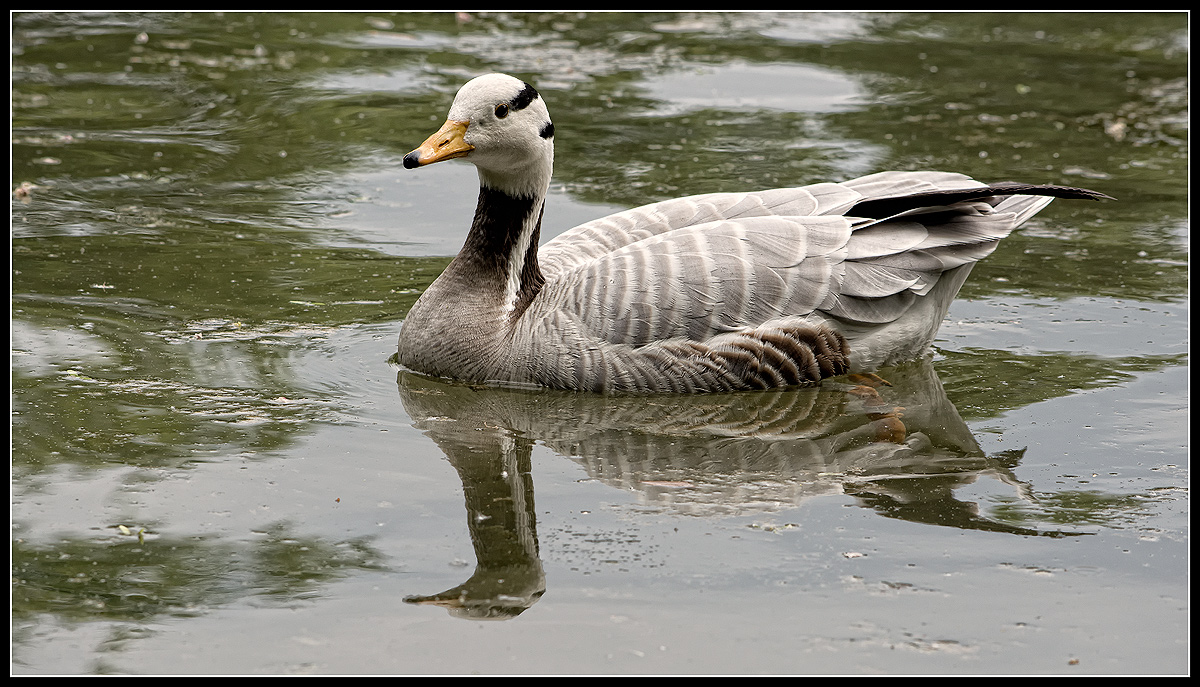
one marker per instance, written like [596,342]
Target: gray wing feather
[889,184]
[706,279]
[599,237]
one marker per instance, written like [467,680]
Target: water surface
[216,470]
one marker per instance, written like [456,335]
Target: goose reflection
[900,448]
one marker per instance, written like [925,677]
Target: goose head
[500,124]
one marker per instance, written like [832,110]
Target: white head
[501,125]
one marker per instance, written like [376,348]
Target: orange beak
[446,144]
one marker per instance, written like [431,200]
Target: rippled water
[216,470]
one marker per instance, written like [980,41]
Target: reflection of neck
[499,497]
[498,490]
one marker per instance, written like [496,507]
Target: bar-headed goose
[713,292]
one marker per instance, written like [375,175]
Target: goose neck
[500,253]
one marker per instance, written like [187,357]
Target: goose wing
[599,237]
[716,277]
[702,280]
[590,240]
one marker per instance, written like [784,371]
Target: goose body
[714,292]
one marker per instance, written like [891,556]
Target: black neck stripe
[490,248]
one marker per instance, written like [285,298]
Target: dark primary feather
[878,208]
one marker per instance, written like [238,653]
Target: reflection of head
[460,604]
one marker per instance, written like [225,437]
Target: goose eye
[501,111]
